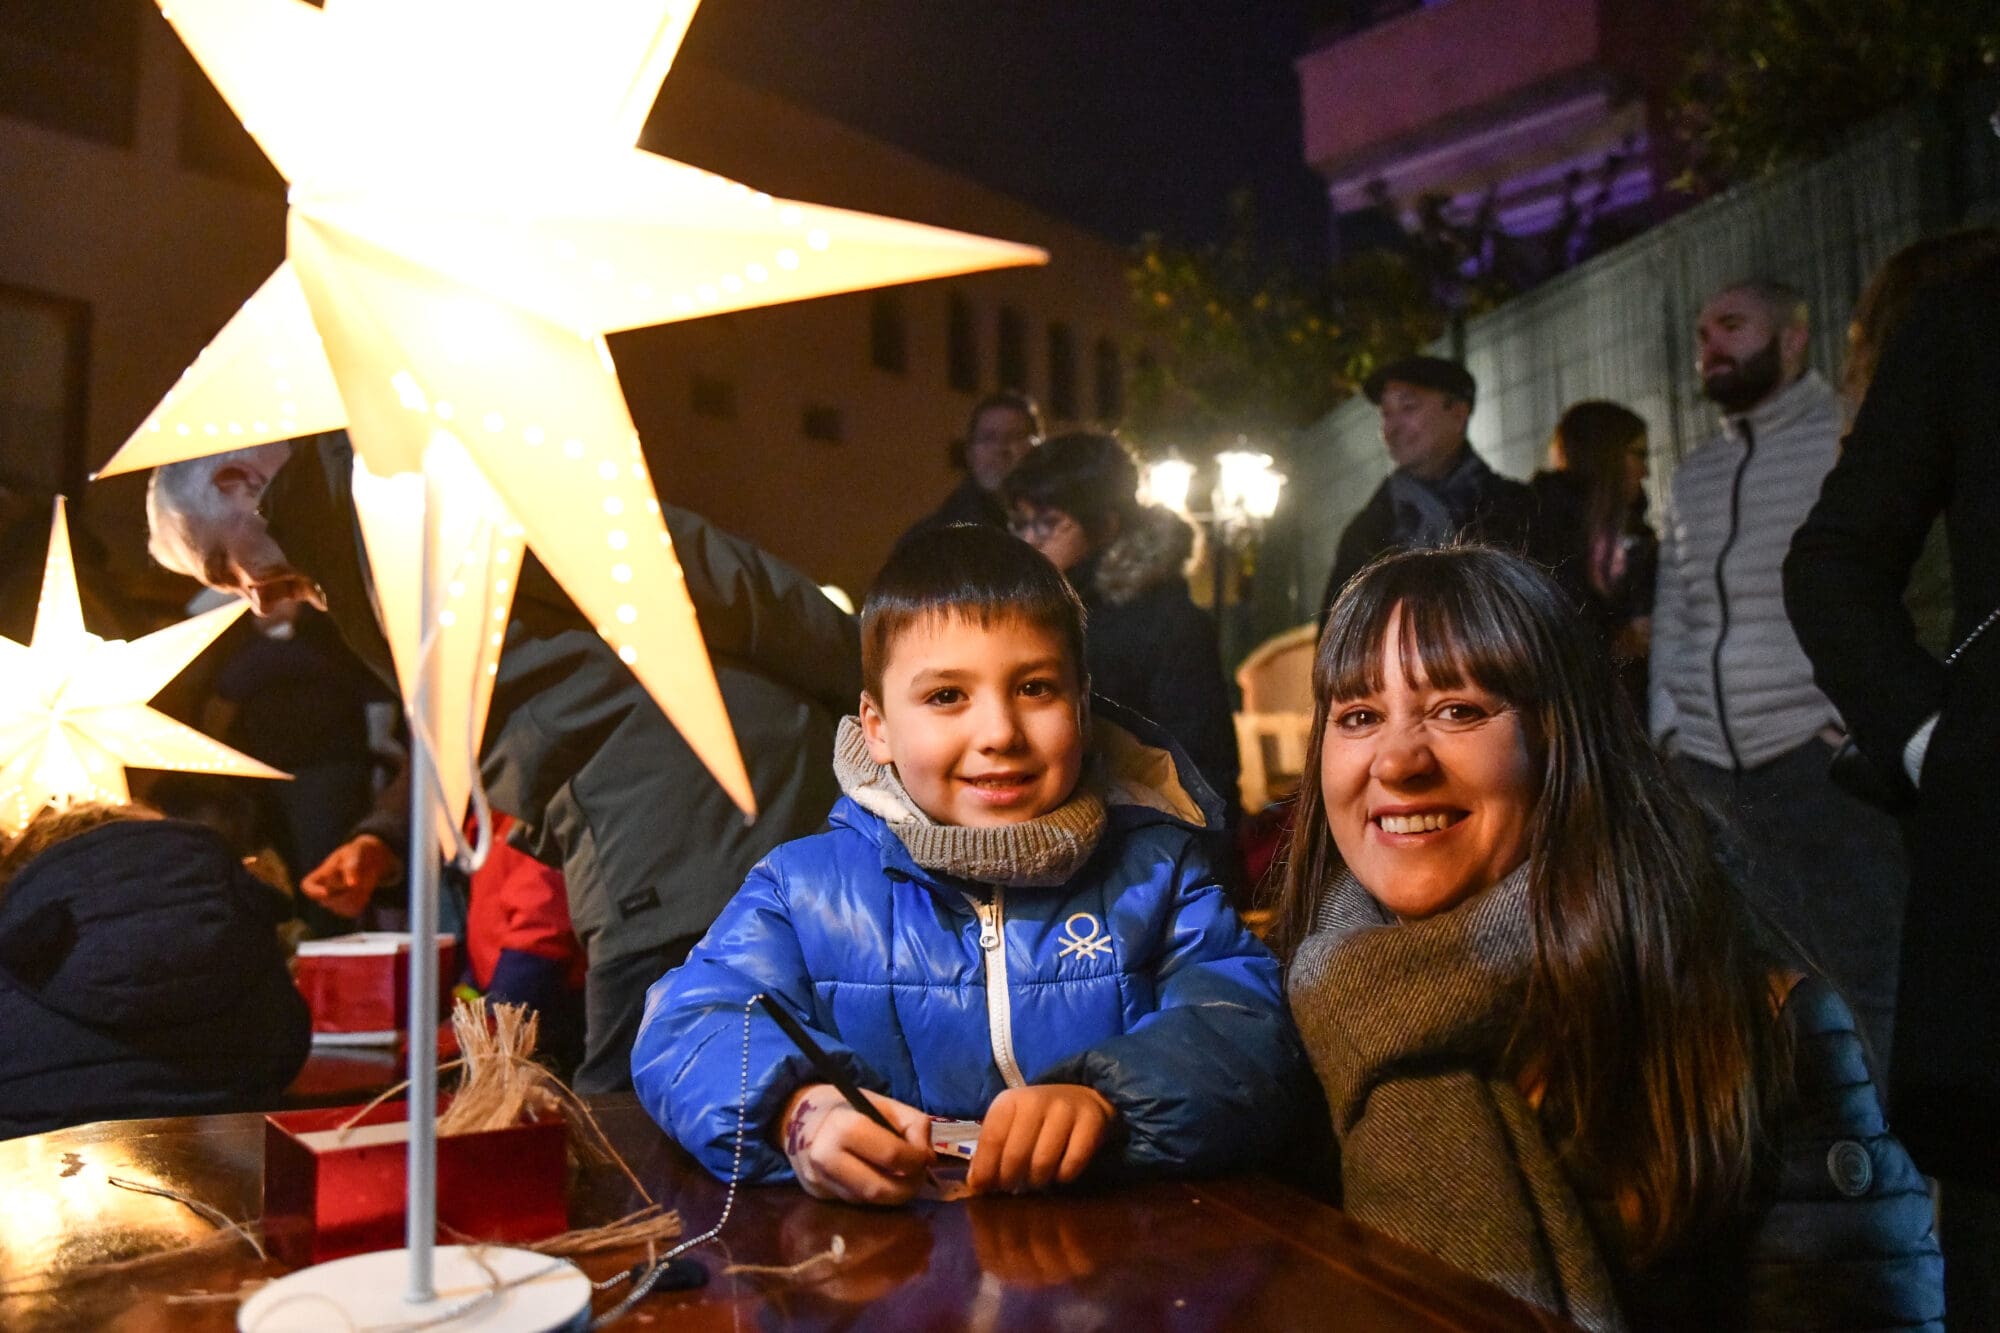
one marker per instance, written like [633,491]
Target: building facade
[1535,125]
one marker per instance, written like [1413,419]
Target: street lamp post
[1242,499]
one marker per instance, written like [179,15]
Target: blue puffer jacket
[1134,978]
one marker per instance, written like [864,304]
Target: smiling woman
[1428,787]
[1558,1050]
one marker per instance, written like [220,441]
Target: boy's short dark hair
[981,573]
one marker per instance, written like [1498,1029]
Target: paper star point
[74,716]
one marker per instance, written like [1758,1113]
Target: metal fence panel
[1621,325]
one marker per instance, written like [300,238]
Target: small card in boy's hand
[954,1138]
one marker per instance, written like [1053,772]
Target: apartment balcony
[1471,97]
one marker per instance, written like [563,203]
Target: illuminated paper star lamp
[73,715]
[469,217]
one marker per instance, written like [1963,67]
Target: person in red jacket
[519,946]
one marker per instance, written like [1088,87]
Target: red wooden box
[358,986]
[324,1200]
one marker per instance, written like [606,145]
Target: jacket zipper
[992,915]
[1722,593]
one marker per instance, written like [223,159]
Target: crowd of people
[1633,874]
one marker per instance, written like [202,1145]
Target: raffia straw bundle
[501,1084]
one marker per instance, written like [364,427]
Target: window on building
[712,396]
[1013,349]
[824,424]
[961,345]
[44,362]
[71,66]
[888,333]
[1110,386]
[1062,373]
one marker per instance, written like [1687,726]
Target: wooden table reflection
[1240,1253]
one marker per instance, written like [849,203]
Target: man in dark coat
[1927,441]
[1441,490]
[140,975]
[650,846]
[1003,427]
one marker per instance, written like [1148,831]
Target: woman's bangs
[1451,635]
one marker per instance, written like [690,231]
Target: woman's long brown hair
[1591,442]
[1649,1020]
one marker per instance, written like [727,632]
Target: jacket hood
[1142,775]
[1154,548]
[143,923]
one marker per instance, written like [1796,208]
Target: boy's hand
[1038,1136]
[840,1153]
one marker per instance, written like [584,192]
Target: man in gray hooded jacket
[649,845]
[1732,694]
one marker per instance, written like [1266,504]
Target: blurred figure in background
[292,695]
[1927,442]
[1441,490]
[1147,645]
[1591,508]
[1885,303]
[1732,693]
[1001,431]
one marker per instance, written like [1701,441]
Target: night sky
[1123,116]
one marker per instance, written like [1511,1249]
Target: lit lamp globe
[1166,482]
[1246,487]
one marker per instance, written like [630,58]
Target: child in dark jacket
[1008,919]
[141,974]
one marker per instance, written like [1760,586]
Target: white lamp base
[366,1291]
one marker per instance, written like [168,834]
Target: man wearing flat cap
[1441,491]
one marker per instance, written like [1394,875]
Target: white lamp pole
[1244,497]
[420,1215]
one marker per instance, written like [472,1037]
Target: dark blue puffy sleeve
[1844,1241]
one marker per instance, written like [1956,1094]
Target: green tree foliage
[1770,81]
[1243,342]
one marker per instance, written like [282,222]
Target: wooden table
[1239,1253]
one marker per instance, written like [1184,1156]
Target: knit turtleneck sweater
[1037,853]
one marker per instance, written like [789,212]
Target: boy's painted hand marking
[795,1128]
[839,1153]
[1039,1136]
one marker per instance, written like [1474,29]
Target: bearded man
[1732,697]
[575,750]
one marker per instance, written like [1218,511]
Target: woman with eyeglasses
[1148,646]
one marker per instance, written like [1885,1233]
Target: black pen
[826,1069]
[823,1066]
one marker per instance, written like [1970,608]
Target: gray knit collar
[1346,907]
[1040,853]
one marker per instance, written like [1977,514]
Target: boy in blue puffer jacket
[1009,918]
